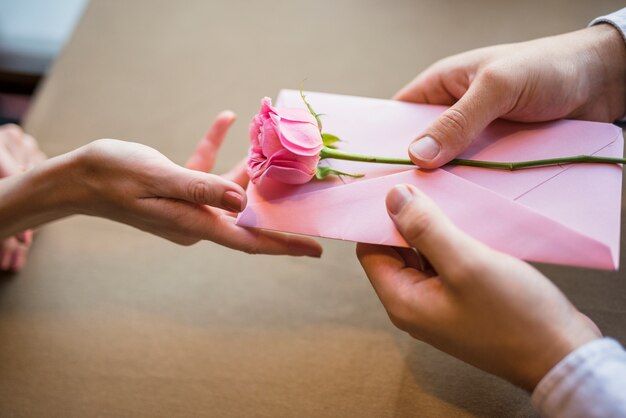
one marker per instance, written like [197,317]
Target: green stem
[518,165]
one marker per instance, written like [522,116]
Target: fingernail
[397,198]
[232,201]
[228,114]
[425,148]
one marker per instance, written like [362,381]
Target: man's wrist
[610,50]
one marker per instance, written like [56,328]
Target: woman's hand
[580,75]
[19,152]
[136,185]
[481,306]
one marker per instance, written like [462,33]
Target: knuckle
[399,316]
[97,148]
[13,131]
[251,249]
[455,121]
[200,191]
[495,77]
[30,141]
[464,269]
[185,241]
[397,322]
[360,251]
[416,226]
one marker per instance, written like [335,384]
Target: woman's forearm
[42,194]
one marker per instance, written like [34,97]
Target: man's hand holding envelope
[566,214]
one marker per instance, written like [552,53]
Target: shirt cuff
[616,19]
[589,382]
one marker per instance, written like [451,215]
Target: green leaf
[329,140]
[323,172]
[315,115]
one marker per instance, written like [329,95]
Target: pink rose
[285,145]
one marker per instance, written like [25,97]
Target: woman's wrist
[43,194]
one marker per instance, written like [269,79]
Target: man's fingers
[202,188]
[203,157]
[488,97]
[430,87]
[388,272]
[382,265]
[427,229]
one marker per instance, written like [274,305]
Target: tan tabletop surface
[108,321]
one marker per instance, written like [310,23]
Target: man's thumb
[427,229]
[456,128]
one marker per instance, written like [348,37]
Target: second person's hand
[579,75]
[481,306]
[19,152]
[137,185]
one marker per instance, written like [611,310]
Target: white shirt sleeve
[590,382]
[617,19]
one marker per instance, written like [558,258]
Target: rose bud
[285,144]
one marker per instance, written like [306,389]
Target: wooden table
[108,321]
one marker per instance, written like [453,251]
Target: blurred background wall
[32,33]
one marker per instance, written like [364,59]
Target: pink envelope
[563,215]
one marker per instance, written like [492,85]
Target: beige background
[108,321]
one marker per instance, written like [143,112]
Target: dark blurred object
[32,32]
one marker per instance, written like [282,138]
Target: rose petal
[288,175]
[257,121]
[270,142]
[300,138]
[295,115]
[286,162]
[286,157]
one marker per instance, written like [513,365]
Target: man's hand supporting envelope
[484,307]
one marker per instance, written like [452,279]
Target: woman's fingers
[186,223]
[18,151]
[19,258]
[13,254]
[203,157]
[201,188]
[25,237]
[31,155]
[239,173]
[256,241]
[8,165]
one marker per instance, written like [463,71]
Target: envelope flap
[357,212]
